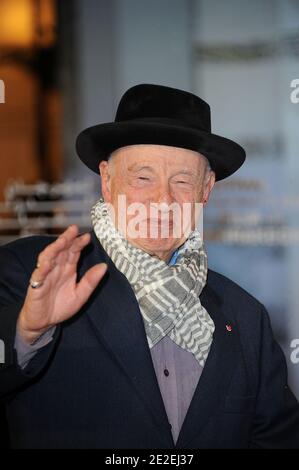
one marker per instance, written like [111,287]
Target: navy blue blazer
[95,386]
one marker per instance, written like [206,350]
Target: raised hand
[59,297]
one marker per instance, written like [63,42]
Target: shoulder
[240,305]
[29,243]
[17,261]
[25,250]
[228,289]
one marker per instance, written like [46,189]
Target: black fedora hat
[155,114]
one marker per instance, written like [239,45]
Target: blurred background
[64,65]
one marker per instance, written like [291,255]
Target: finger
[89,282]
[40,274]
[76,244]
[75,249]
[70,234]
[46,264]
[62,243]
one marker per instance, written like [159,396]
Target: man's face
[152,179]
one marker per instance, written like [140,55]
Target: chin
[156,245]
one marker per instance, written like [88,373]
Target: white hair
[111,163]
[208,170]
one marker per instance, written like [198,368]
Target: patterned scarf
[168,296]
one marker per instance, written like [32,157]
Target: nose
[164,195]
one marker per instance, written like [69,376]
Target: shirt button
[166,372]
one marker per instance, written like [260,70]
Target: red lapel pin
[229,328]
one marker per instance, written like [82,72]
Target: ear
[208,187]
[105,180]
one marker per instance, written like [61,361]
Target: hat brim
[96,143]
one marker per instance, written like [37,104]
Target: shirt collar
[173,257]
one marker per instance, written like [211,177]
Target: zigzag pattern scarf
[168,296]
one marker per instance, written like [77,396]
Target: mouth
[160,223]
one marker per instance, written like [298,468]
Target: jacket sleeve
[26,352]
[276,423]
[14,280]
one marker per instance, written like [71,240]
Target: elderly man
[124,338]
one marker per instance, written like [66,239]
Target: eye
[143,178]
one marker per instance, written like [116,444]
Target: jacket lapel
[216,374]
[114,312]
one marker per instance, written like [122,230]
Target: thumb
[89,281]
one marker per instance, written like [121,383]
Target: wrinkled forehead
[157,156]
